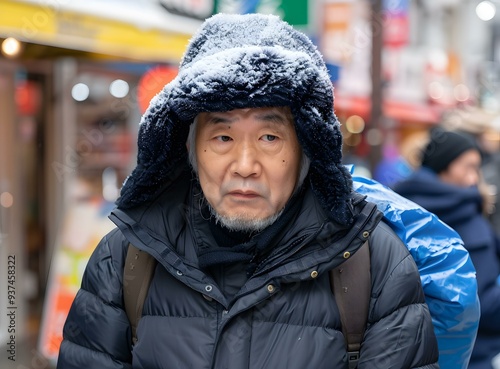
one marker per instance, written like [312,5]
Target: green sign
[295,12]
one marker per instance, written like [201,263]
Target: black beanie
[444,147]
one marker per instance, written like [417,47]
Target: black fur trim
[241,61]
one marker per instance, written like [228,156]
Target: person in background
[240,195]
[446,184]
[484,127]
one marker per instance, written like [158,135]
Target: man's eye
[269,138]
[224,138]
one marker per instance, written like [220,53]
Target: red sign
[152,82]
[396,29]
[28,98]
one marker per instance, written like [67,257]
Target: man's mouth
[242,194]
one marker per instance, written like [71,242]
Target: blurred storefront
[433,59]
[74,78]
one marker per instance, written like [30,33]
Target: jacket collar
[162,228]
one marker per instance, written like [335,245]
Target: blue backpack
[446,270]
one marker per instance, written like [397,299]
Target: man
[446,185]
[240,196]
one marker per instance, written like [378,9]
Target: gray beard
[240,224]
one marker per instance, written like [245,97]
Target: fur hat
[244,61]
[444,147]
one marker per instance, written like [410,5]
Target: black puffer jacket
[188,322]
[281,317]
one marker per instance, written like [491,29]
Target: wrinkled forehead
[280,114]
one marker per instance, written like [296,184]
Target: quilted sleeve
[97,331]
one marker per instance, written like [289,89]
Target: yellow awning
[153,35]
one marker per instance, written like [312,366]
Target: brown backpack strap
[137,275]
[351,285]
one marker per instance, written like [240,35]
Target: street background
[75,77]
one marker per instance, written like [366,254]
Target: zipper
[299,241]
[169,266]
[224,312]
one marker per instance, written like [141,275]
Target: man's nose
[246,161]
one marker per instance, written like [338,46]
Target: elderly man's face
[248,163]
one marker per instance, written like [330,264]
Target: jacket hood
[244,61]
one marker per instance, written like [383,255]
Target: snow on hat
[444,147]
[244,61]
